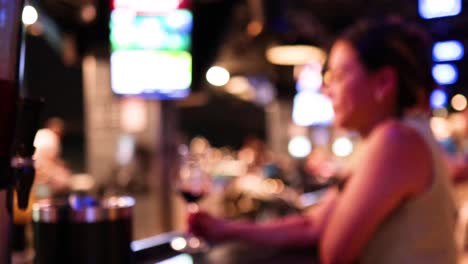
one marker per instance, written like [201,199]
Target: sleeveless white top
[421,229]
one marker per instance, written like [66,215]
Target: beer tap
[21,162]
[19,121]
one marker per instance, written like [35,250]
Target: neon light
[310,108]
[439,8]
[447,51]
[438,98]
[148,6]
[445,73]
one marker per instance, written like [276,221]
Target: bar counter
[226,253]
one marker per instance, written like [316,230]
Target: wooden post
[168,162]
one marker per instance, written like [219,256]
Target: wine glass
[193,183]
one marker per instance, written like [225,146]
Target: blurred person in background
[52,173]
[52,177]
[394,202]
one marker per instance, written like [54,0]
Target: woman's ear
[386,83]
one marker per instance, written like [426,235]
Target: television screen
[150,44]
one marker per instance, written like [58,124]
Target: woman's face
[350,87]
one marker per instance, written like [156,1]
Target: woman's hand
[210,228]
[295,231]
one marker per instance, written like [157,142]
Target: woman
[396,205]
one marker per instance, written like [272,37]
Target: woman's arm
[293,231]
[395,166]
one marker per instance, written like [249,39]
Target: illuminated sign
[438,98]
[439,8]
[450,50]
[445,73]
[150,42]
[150,6]
[311,108]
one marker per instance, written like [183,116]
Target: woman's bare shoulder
[398,133]
[402,150]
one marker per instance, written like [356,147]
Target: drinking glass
[193,183]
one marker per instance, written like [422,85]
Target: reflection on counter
[179,259]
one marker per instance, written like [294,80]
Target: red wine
[191,197]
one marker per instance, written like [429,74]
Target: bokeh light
[342,147]
[447,50]
[459,102]
[217,76]
[299,147]
[436,8]
[440,127]
[457,124]
[309,77]
[438,98]
[88,13]
[133,115]
[445,73]
[311,108]
[29,15]
[178,243]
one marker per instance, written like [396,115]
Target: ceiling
[314,22]
[221,26]
[220,36]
